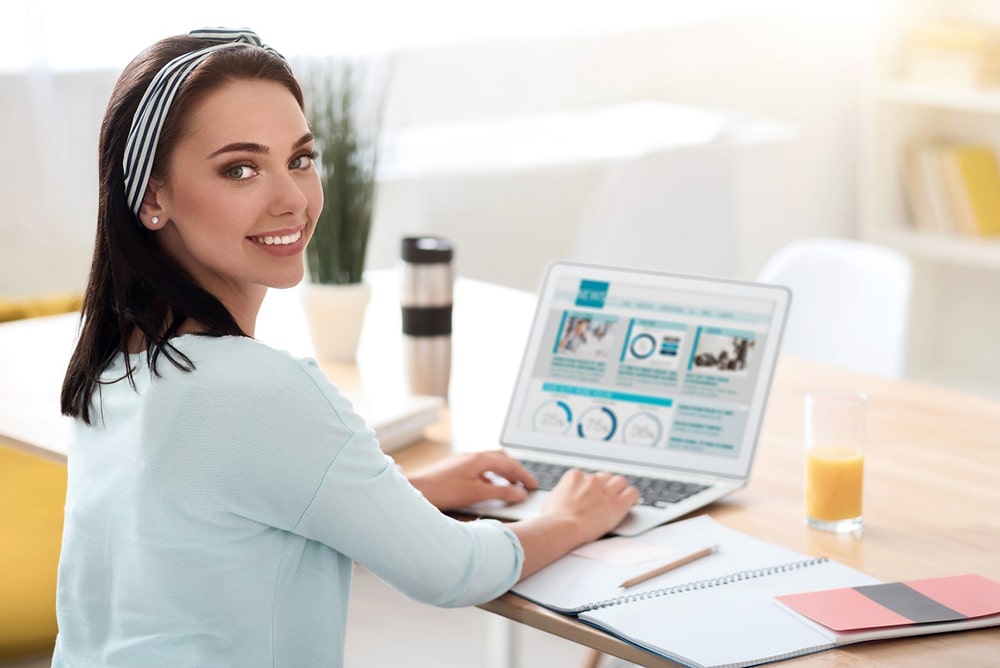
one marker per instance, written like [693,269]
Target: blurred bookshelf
[934,79]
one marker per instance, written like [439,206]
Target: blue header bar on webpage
[607,394]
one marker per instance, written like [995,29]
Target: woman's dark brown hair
[133,285]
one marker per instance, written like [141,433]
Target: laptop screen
[645,368]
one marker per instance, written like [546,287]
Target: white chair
[850,303]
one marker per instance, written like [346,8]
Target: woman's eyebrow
[253,147]
[241,147]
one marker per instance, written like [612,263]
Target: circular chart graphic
[598,423]
[553,417]
[642,429]
[643,346]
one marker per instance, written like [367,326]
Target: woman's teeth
[283,240]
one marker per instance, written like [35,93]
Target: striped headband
[140,148]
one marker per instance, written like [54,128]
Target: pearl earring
[155,220]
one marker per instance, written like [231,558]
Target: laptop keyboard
[653,491]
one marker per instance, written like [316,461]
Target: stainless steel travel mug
[426,299]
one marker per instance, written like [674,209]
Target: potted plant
[336,295]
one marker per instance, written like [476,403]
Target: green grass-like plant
[348,147]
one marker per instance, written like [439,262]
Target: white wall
[49,124]
[801,71]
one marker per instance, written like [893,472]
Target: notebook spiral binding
[710,582]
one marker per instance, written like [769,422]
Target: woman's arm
[580,509]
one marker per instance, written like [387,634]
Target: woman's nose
[289,196]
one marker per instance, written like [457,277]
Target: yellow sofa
[32,496]
[15,309]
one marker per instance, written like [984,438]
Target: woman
[219,490]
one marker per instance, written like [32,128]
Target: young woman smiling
[219,489]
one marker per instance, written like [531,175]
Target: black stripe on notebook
[909,603]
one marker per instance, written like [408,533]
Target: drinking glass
[835,460]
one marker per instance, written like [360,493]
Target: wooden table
[932,498]
[932,507]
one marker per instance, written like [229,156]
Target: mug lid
[426,249]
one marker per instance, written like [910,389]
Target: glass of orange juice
[835,460]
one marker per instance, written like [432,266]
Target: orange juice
[834,475]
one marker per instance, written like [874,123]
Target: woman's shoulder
[242,376]
[245,363]
[237,351]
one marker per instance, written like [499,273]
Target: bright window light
[105,34]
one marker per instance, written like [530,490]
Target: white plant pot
[335,314]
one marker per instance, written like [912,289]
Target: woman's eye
[240,172]
[304,161]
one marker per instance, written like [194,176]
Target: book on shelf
[736,606]
[952,54]
[924,188]
[978,187]
[963,216]
[952,187]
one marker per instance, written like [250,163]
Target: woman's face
[241,193]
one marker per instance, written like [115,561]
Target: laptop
[660,377]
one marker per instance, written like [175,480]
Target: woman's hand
[463,479]
[597,502]
[581,508]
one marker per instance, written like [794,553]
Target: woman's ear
[151,213]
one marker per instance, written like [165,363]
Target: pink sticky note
[621,551]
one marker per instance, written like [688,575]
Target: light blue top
[212,517]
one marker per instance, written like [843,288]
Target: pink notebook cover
[932,600]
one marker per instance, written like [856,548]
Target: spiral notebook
[717,611]
[751,602]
